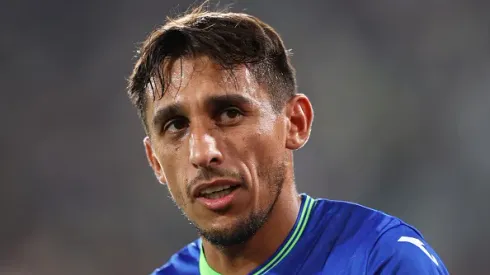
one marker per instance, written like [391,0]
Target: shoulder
[351,219]
[184,262]
[354,226]
[403,249]
[391,246]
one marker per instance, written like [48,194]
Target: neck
[241,259]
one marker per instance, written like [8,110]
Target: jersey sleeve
[401,250]
[184,262]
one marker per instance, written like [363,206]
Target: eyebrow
[222,101]
[214,102]
[167,112]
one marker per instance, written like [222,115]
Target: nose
[204,151]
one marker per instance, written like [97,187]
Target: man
[217,97]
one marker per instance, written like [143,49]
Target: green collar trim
[287,246]
[204,268]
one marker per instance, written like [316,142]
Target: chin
[224,237]
[227,231]
[221,224]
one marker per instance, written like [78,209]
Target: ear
[300,114]
[154,162]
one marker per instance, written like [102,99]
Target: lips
[214,188]
[217,195]
[216,192]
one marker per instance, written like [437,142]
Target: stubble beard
[246,228]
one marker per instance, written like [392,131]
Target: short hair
[227,39]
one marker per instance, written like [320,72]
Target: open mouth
[217,192]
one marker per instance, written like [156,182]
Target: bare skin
[206,128]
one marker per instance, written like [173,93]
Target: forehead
[194,80]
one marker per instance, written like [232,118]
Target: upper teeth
[212,189]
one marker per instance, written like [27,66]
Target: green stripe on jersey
[293,239]
[298,230]
[204,268]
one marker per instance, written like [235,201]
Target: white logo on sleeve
[418,243]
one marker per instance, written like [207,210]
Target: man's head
[217,96]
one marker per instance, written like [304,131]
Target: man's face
[218,144]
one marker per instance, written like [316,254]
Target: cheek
[265,145]
[172,167]
[270,135]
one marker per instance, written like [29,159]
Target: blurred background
[402,102]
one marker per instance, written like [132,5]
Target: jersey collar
[288,244]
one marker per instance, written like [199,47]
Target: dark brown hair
[228,39]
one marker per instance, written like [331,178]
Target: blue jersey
[332,237]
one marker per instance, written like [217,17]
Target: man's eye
[176,125]
[230,115]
